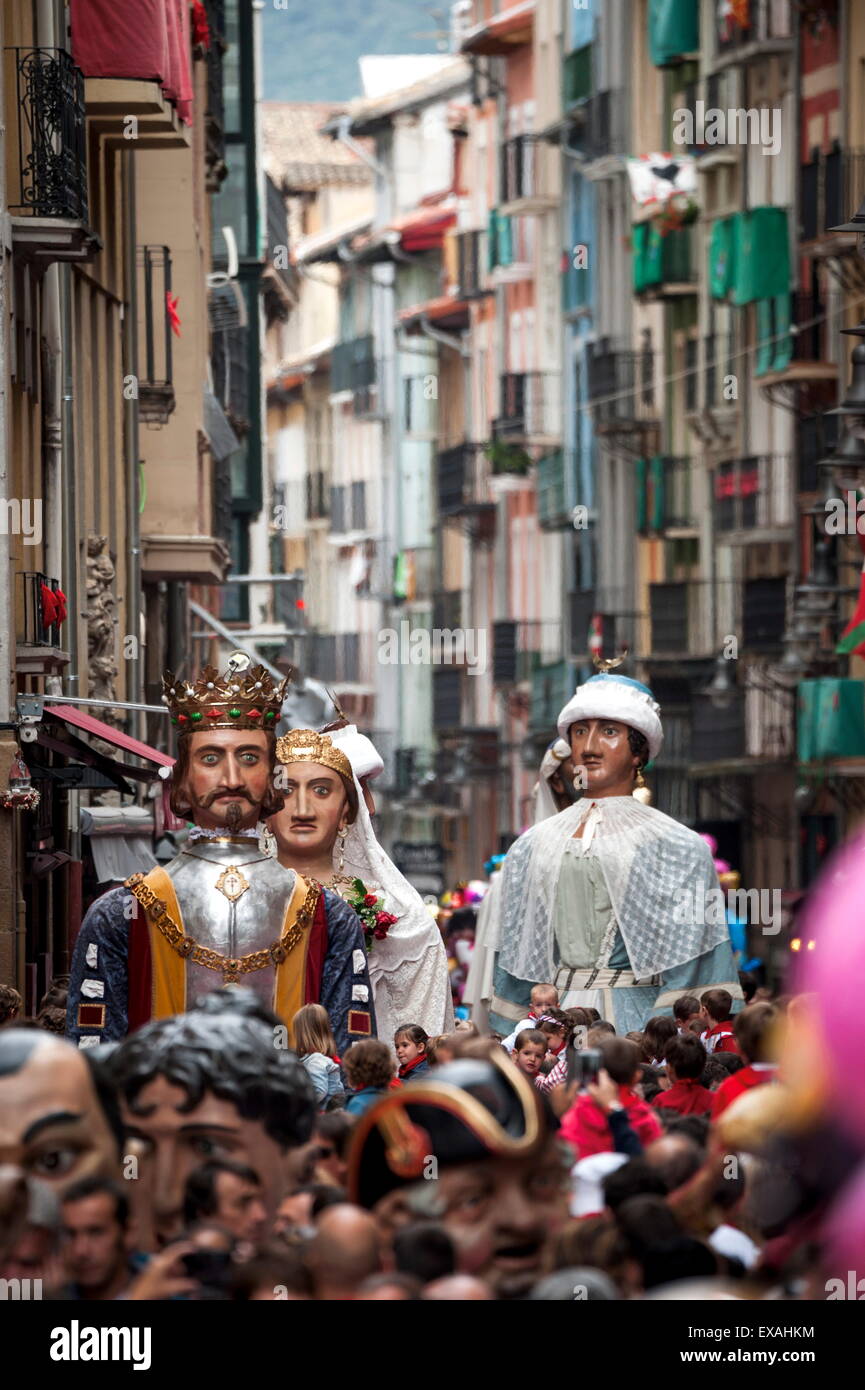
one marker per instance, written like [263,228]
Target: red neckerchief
[406,1067]
[716,1031]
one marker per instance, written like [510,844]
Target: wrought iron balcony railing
[317,496]
[621,385]
[518,169]
[830,185]
[753,493]
[530,406]
[459,472]
[601,125]
[768,27]
[551,483]
[666,495]
[469,264]
[686,616]
[155,348]
[52,141]
[38,622]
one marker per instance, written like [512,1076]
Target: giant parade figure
[612,901]
[224,910]
[325,832]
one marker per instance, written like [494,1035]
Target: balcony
[679,619]
[720,363]
[768,31]
[353,368]
[551,483]
[348,511]
[340,659]
[470,265]
[794,350]
[600,125]
[621,387]
[38,650]
[666,496]
[552,688]
[718,734]
[497,27]
[156,398]
[665,263]
[317,496]
[530,407]
[279,279]
[48,150]
[519,648]
[577,76]
[522,184]
[753,495]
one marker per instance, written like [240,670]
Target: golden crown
[246,697]
[306,746]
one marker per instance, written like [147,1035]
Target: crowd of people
[201,1158]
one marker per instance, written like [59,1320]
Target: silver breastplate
[247,919]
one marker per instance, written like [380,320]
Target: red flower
[380,933]
[385,919]
[370,900]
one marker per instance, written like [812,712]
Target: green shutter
[493,240]
[639,236]
[761,255]
[674,29]
[721,257]
[763,360]
[506,246]
[642,500]
[656,474]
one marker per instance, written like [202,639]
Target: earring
[341,834]
[641,792]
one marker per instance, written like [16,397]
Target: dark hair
[687,1055]
[561,1019]
[639,1041]
[179,798]
[621,1059]
[696,1127]
[753,1030]
[646,1221]
[748,982]
[200,1198]
[639,746]
[658,1032]
[684,1257]
[720,1065]
[650,1080]
[324,1196]
[52,1019]
[530,1035]
[96,1186]
[717,1003]
[425,1250]
[579,1017]
[633,1179]
[223,1046]
[413,1031]
[685,1007]
[368,1062]
[10,1003]
[274,1266]
[334,1126]
[592,1015]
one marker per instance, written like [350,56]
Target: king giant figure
[224,910]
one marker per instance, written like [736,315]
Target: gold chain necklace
[232,968]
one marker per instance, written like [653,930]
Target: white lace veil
[409,969]
[659,875]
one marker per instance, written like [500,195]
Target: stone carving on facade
[101,620]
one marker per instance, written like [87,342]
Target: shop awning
[70,715]
[143,40]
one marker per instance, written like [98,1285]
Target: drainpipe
[134,683]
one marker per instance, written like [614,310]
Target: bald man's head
[345,1249]
[457,1288]
[675,1158]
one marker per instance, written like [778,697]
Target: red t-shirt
[687,1097]
[737,1084]
[585,1124]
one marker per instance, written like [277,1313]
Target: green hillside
[311,47]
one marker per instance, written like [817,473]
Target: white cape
[409,969]
[659,874]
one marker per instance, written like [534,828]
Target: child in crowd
[599,1032]
[686,1012]
[410,1044]
[585,1124]
[441,1049]
[656,1034]
[316,1048]
[653,1082]
[718,1020]
[755,1029]
[542,997]
[465,1027]
[685,1057]
[530,1049]
[720,1065]
[558,1030]
[10,1005]
[369,1071]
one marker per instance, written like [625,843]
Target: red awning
[424,229]
[147,40]
[71,715]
